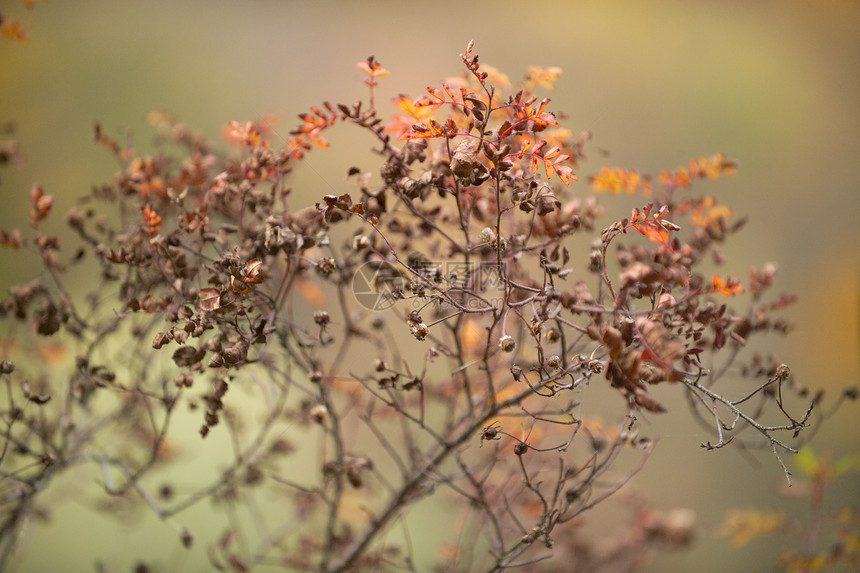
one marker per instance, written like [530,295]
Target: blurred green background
[775,85]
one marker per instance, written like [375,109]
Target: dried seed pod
[420,331]
[326,266]
[322,317]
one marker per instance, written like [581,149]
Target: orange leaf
[653,231]
[565,173]
[151,220]
[372,68]
[728,287]
[40,204]
[436,92]
[13,30]
[12,239]
[416,109]
[247,134]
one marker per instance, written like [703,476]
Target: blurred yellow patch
[542,77]
[744,525]
[617,179]
[496,77]
[708,213]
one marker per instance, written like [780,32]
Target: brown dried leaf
[187,356]
[210,299]
[464,159]
[647,401]
[660,347]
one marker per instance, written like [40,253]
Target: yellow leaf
[744,525]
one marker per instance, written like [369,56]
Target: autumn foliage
[435,332]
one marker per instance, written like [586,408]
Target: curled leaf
[209,298]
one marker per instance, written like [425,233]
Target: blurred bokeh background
[775,85]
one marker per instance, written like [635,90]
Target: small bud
[322,317]
[7,367]
[316,376]
[379,365]
[516,372]
[487,235]
[187,538]
[535,326]
[553,362]
[531,536]
[489,433]
[507,343]
[552,335]
[360,242]
[521,448]
[211,418]
[595,262]
[319,413]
